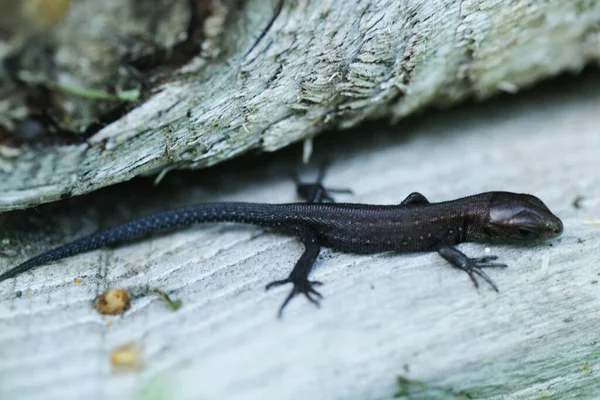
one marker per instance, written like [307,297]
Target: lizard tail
[250,213]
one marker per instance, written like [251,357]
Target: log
[383,316]
[290,70]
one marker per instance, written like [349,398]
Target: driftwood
[292,69]
[383,316]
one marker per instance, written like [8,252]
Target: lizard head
[521,218]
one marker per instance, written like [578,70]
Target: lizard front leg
[472,266]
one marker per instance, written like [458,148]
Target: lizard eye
[527,234]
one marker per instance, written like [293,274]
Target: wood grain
[293,69]
[383,316]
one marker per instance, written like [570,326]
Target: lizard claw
[303,286]
[486,260]
[473,267]
[277,283]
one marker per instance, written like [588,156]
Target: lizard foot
[302,286]
[474,266]
[315,192]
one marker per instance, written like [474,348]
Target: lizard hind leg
[299,275]
[315,192]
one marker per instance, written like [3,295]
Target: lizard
[414,225]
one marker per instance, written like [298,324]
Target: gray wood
[320,65]
[382,316]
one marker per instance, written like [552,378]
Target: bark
[293,69]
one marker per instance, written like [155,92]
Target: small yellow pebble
[126,358]
[113,301]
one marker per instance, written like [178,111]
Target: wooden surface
[292,69]
[383,316]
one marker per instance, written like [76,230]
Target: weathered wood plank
[383,315]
